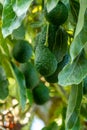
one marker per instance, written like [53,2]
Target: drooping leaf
[74,104]
[60,45]
[80,23]
[3,84]
[74,6]
[73,73]
[13,14]
[21,85]
[80,40]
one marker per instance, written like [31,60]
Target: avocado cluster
[22,52]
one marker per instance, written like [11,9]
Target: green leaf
[3,84]
[21,85]
[60,45]
[52,29]
[74,6]
[51,4]
[80,24]
[77,125]
[74,104]
[79,41]
[85,86]
[19,33]
[30,96]
[13,14]
[73,73]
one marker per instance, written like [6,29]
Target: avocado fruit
[22,51]
[41,94]
[30,74]
[45,61]
[58,15]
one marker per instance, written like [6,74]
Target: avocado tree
[43,63]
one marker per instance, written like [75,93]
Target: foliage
[48,76]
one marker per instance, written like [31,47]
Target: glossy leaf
[80,23]
[74,104]
[21,85]
[73,73]
[13,14]
[3,84]
[79,41]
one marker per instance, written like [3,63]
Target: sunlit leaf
[13,14]
[73,73]
[80,23]
[79,41]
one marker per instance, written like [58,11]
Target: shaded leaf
[21,85]
[74,104]
[19,33]
[73,73]
[85,86]
[75,6]
[52,29]
[60,45]
[3,84]
[13,14]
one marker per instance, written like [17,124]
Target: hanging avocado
[58,15]
[45,60]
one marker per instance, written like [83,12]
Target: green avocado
[22,51]
[30,74]
[54,77]
[41,94]
[45,60]
[58,15]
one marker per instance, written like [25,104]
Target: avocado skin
[54,77]
[45,60]
[41,94]
[22,51]
[58,15]
[31,75]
